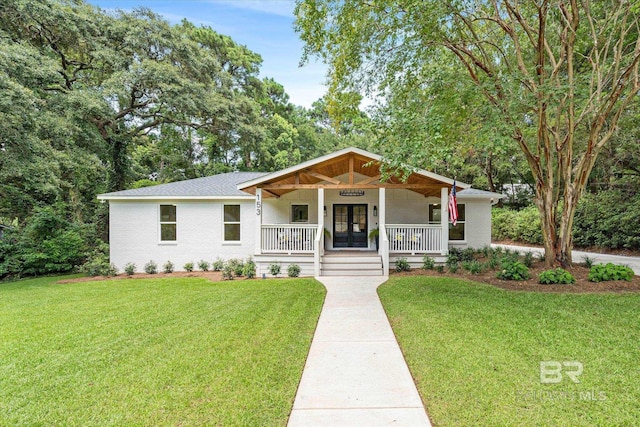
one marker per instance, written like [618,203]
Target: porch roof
[323,172]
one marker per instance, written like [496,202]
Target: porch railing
[414,238]
[288,238]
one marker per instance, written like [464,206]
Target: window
[231,223]
[300,213]
[455,233]
[168,223]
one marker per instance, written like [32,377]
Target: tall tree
[559,72]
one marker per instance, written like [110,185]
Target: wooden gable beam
[351,169]
[368,180]
[270,193]
[322,177]
[345,186]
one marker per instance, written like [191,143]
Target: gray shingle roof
[474,193]
[222,185]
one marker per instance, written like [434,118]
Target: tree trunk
[119,163]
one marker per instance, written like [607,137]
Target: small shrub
[453,267]
[402,265]
[274,269]
[204,265]
[607,272]
[455,255]
[541,257]
[486,251]
[468,254]
[293,270]
[452,259]
[588,261]
[188,267]
[249,270]
[218,264]
[99,266]
[473,267]
[151,267]
[428,263]
[227,271]
[527,259]
[493,262]
[513,270]
[557,276]
[237,265]
[168,267]
[129,269]
[440,268]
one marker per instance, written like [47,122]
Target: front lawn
[475,352]
[181,351]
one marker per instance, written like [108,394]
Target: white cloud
[272,7]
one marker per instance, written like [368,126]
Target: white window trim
[224,223]
[291,205]
[161,223]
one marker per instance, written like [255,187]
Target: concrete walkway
[355,373]
[631,261]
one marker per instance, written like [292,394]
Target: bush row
[609,219]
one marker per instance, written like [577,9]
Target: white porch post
[318,250]
[258,221]
[382,228]
[444,220]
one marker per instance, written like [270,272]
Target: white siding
[478,222]
[135,235]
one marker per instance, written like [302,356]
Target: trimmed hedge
[523,225]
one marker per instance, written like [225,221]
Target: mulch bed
[580,272]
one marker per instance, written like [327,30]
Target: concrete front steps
[350,264]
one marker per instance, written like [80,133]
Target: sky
[264,26]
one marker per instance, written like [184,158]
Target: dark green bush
[249,270]
[402,265]
[440,268]
[99,266]
[557,276]
[522,226]
[227,271]
[607,272]
[218,264]
[168,267]
[428,263]
[293,270]
[188,267]
[274,269]
[204,265]
[513,270]
[129,269]
[473,267]
[608,219]
[49,243]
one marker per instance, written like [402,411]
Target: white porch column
[258,221]
[382,228]
[317,250]
[444,220]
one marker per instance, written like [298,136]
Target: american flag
[453,205]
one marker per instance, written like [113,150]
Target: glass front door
[350,226]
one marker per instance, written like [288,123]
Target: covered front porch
[313,212]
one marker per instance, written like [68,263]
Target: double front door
[350,226]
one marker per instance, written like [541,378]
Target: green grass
[181,351]
[475,352]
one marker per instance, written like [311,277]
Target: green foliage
[520,226]
[151,267]
[453,267]
[293,270]
[440,268]
[473,267]
[168,267]
[188,267]
[608,219]
[99,266]
[609,271]
[227,271]
[557,276]
[527,259]
[428,263]
[402,265]
[588,261]
[274,269]
[249,270]
[513,270]
[204,265]
[218,264]
[237,265]
[129,269]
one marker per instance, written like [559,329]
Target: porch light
[325,211]
[375,210]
